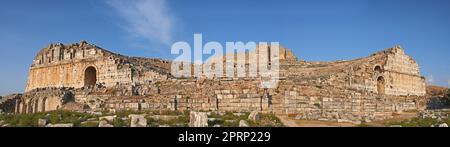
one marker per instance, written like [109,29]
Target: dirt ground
[290,122]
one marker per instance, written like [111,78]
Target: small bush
[267,120]
[89,124]
[448,93]
[364,125]
[180,121]
[54,117]
[125,113]
[119,123]
[446,98]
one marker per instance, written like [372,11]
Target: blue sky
[316,30]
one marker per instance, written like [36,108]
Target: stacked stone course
[362,89]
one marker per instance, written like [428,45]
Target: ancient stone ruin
[83,76]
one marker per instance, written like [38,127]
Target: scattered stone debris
[163,117]
[92,119]
[435,114]
[230,121]
[108,118]
[138,120]
[238,114]
[212,119]
[396,126]
[163,126]
[104,123]
[42,122]
[254,115]
[443,125]
[60,125]
[243,123]
[95,113]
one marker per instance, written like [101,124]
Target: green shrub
[125,113]
[181,119]
[230,124]
[446,98]
[448,93]
[89,124]
[364,125]
[119,123]
[267,120]
[54,117]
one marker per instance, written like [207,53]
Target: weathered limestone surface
[243,123]
[60,125]
[198,119]
[138,120]
[105,124]
[254,115]
[84,64]
[86,75]
[42,122]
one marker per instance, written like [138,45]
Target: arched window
[90,76]
[380,85]
[378,69]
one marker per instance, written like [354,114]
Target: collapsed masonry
[83,76]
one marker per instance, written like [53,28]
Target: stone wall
[83,64]
[43,100]
[305,102]
[402,74]
[8,103]
[67,65]
[366,88]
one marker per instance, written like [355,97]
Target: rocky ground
[436,115]
[427,118]
[141,119]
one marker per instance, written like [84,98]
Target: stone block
[243,123]
[137,120]
[60,125]
[104,123]
[198,119]
[254,115]
[42,122]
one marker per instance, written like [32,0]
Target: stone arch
[29,106]
[90,76]
[43,104]
[36,105]
[381,84]
[23,107]
[378,69]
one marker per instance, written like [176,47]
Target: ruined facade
[83,76]
[83,65]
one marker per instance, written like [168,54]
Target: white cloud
[448,82]
[430,79]
[148,19]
